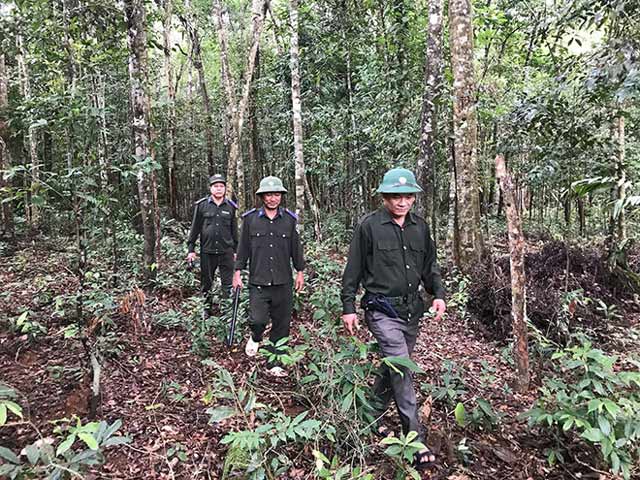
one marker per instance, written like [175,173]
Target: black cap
[217,178]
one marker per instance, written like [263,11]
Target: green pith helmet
[399,180]
[271,185]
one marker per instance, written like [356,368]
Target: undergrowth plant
[592,401]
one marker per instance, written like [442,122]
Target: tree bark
[430,102]
[235,171]
[31,143]
[465,134]
[296,107]
[8,225]
[172,189]
[196,58]
[619,223]
[518,279]
[452,244]
[137,41]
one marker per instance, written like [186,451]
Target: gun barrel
[234,316]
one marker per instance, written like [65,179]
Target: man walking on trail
[269,242]
[391,254]
[214,221]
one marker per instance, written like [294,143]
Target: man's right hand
[350,321]
[237,279]
[191,257]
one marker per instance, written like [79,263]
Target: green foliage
[281,352]
[257,449]
[334,470]
[595,403]
[7,403]
[403,450]
[451,387]
[483,416]
[78,448]
[26,326]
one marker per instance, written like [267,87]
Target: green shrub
[592,401]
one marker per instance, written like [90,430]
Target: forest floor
[154,382]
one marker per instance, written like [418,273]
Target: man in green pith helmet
[391,254]
[214,221]
[269,242]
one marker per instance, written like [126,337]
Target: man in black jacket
[214,221]
[269,242]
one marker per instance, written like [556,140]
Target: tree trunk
[518,279]
[172,189]
[296,107]
[452,244]
[8,225]
[465,134]
[31,143]
[235,171]
[137,42]
[196,58]
[430,102]
[581,215]
[619,224]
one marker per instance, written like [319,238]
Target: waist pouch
[379,303]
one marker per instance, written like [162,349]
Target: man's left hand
[299,283]
[440,307]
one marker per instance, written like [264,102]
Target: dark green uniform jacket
[270,246]
[216,225]
[390,260]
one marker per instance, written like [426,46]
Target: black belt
[405,299]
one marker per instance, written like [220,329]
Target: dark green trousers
[209,263]
[273,303]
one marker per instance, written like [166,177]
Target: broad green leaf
[3,414]
[605,426]
[33,453]
[89,439]
[9,455]
[14,408]
[220,413]
[66,445]
[403,362]
[593,435]
[460,414]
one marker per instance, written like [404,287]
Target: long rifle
[234,317]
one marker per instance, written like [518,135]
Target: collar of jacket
[262,213]
[210,200]
[385,217]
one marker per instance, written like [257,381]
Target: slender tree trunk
[465,133]
[172,189]
[430,102]
[581,215]
[296,104]
[31,143]
[518,279]
[196,57]
[8,224]
[452,243]
[235,170]
[103,134]
[137,41]
[619,223]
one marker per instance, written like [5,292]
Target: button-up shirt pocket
[389,252]
[259,238]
